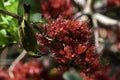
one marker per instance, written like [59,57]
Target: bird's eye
[38,54]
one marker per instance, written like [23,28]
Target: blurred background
[102,16]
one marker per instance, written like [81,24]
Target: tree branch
[88,7]
[106,20]
[96,34]
[9,13]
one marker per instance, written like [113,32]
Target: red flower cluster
[113,2]
[4,75]
[54,8]
[71,43]
[30,71]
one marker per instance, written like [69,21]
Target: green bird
[27,35]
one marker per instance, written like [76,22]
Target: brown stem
[9,13]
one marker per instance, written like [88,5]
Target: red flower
[4,75]
[54,8]
[113,2]
[71,43]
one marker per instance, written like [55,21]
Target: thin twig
[96,34]
[15,62]
[77,15]
[9,13]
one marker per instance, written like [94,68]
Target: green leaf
[3,32]
[11,5]
[8,24]
[3,37]
[9,18]
[4,19]
[36,17]
[71,76]
[2,4]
